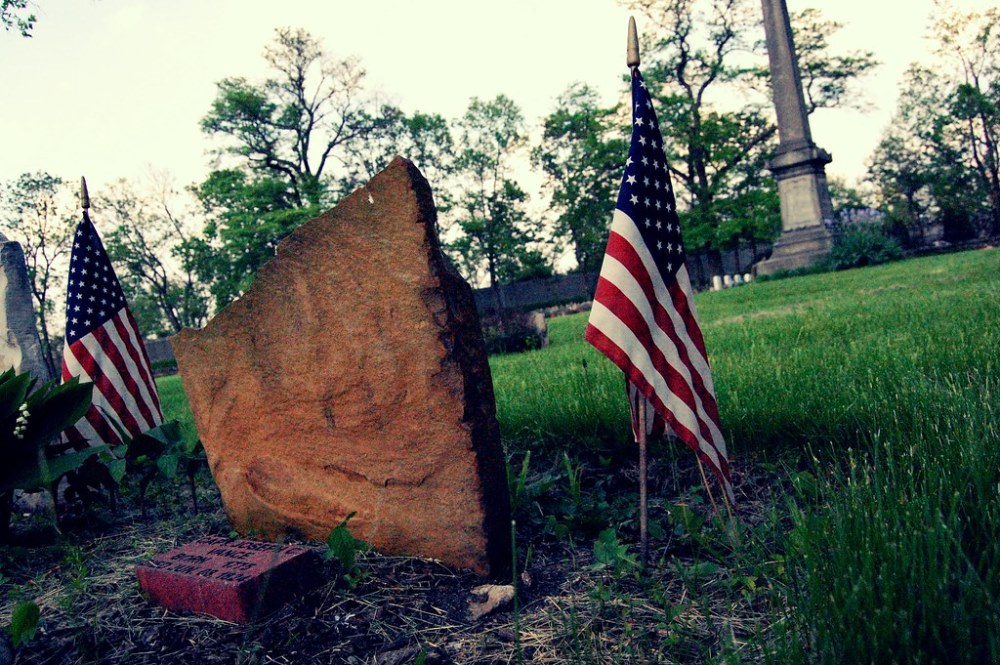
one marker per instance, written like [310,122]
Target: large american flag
[643,316]
[103,345]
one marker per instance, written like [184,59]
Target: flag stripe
[655,425]
[646,385]
[622,267]
[627,246]
[106,351]
[686,307]
[106,393]
[128,329]
[666,351]
[113,345]
[663,359]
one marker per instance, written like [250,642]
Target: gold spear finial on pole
[84,195]
[632,53]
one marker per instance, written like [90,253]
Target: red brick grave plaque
[234,580]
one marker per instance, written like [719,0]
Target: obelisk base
[795,249]
[805,209]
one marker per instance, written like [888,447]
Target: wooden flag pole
[632,60]
[643,496]
[708,488]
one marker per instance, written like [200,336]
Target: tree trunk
[50,362]
[714,257]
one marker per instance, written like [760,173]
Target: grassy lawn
[861,409]
[875,392]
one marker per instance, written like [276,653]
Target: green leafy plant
[160,451]
[612,555]
[23,623]
[344,547]
[29,421]
[862,244]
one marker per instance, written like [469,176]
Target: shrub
[862,242]
[29,421]
[514,332]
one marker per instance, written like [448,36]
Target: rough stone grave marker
[352,377]
[19,344]
[235,580]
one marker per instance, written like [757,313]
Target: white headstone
[716,283]
[748,278]
[737,279]
[727,281]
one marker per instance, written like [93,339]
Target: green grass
[878,390]
[889,377]
[175,405]
[817,360]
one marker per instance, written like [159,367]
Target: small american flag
[643,316]
[103,346]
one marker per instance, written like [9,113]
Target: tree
[13,16]
[39,214]
[151,248]
[247,218]
[937,161]
[292,126]
[423,138]
[583,154]
[918,166]
[695,59]
[495,231]
[972,40]
[287,134]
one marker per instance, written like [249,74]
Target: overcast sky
[108,88]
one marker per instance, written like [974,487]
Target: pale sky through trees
[106,88]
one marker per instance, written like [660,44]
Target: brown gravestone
[352,377]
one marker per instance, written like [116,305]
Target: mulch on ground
[403,610]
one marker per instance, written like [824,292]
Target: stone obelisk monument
[798,163]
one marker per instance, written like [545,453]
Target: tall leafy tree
[151,248]
[39,212]
[286,134]
[972,41]
[696,56]
[292,126]
[247,217]
[937,161]
[918,167]
[582,155]
[496,235]
[423,138]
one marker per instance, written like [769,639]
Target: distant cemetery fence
[579,287]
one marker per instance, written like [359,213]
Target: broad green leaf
[13,390]
[167,464]
[343,546]
[53,409]
[24,623]
[41,475]
[117,470]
